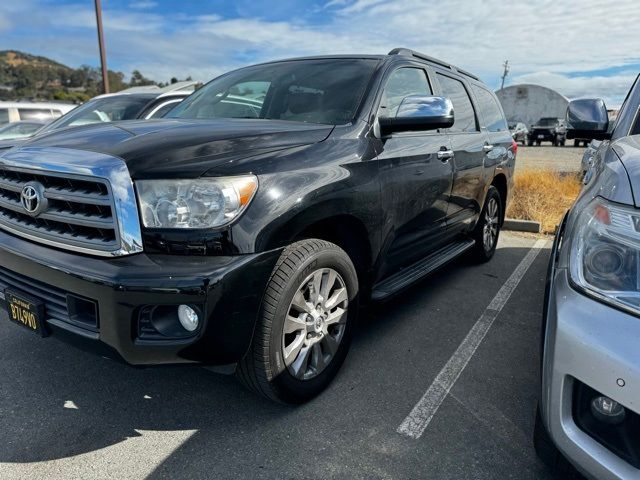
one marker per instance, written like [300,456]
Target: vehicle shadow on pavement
[58,402]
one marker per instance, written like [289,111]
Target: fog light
[607,410]
[188,318]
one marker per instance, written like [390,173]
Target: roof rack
[422,56]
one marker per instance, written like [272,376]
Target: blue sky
[581,48]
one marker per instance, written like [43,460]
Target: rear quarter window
[4,116]
[34,113]
[490,110]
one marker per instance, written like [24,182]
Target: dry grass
[543,196]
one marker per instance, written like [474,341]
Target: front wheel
[304,329]
[487,229]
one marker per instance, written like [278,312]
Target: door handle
[487,148]
[445,155]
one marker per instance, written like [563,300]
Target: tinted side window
[465,118]
[402,83]
[34,114]
[4,116]
[490,110]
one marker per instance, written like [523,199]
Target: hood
[628,149]
[189,148]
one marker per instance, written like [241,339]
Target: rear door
[415,183]
[494,124]
[468,144]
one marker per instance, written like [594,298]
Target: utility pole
[103,54]
[505,73]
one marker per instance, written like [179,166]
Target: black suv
[548,129]
[246,229]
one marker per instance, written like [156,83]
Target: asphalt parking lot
[67,414]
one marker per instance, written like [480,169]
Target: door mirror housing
[419,113]
[587,118]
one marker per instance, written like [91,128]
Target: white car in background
[11,112]
[138,103]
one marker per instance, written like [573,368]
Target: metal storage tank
[529,103]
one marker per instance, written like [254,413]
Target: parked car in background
[549,129]
[589,408]
[21,129]
[142,103]
[519,132]
[209,237]
[40,111]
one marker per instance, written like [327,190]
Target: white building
[529,103]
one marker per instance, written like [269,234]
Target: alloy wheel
[490,228]
[315,323]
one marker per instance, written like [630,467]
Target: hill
[26,76]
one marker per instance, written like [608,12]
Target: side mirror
[587,118]
[419,113]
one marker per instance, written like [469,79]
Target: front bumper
[542,135]
[594,344]
[228,290]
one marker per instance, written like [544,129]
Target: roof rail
[413,53]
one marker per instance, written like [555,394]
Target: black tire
[263,369]
[480,253]
[576,143]
[546,450]
[538,142]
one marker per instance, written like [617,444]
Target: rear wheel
[304,330]
[487,229]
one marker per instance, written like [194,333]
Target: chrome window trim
[84,164]
[161,105]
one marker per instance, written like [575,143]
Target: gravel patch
[562,159]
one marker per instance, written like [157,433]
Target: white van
[15,111]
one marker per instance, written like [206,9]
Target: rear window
[490,110]
[34,113]
[4,116]
[465,118]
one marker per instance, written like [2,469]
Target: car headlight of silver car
[197,203]
[605,253]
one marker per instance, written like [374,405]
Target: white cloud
[143,4]
[546,41]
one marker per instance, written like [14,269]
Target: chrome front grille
[79,212]
[76,200]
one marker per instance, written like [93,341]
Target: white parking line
[418,420]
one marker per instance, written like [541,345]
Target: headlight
[198,203]
[605,253]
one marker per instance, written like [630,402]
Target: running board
[407,276]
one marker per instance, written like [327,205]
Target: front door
[415,180]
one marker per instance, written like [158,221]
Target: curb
[521,225]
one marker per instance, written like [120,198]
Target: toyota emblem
[32,198]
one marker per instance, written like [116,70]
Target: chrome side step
[407,276]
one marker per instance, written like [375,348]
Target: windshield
[327,91]
[105,109]
[547,121]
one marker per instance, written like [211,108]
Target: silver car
[589,409]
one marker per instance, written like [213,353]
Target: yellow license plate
[25,311]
